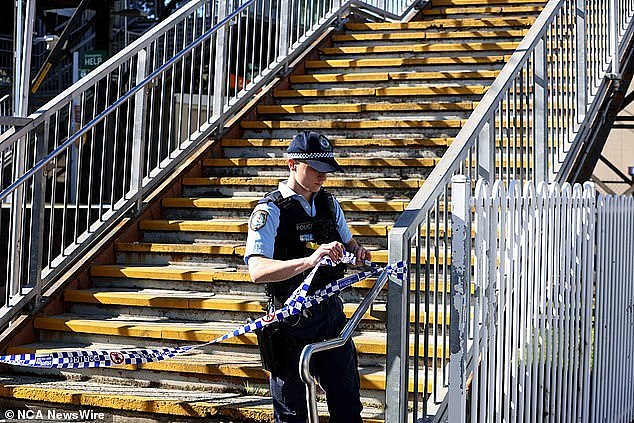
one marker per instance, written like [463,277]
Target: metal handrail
[133,120]
[121,100]
[538,110]
[345,335]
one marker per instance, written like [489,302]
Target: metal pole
[17,62]
[220,66]
[540,147]
[25,76]
[75,117]
[285,31]
[23,63]
[396,383]
[138,134]
[460,292]
[581,60]
[614,46]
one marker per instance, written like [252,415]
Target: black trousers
[336,369]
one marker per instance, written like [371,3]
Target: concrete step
[368,205]
[241,226]
[367,168]
[520,11]
[429,127]
[471,22]
[420,48]
[237,251]
[353,38]
[370,77]
[200,367]
[457,3]
[417,90]
[194,307]
[360,208]
[259,185]
[340,143]
[379,109]
[345,162]
[125,329]
[128,401]
[454,62]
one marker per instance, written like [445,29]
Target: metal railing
[346,333]
[528,125]
[96,150]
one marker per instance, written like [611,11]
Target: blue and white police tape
[296,302]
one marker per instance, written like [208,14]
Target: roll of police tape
[296,302]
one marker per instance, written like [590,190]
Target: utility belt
[277,347]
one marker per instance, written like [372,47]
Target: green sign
[90,60]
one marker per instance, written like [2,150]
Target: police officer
[283,227]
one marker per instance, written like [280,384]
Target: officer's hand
[333,249]
[360,253]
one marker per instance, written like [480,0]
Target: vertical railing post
[38,203]
[284,15]
[139,133]
[540,147]
[486,152]
[220,67]
[581,60]
[17,223]
[460,292]
[613,28]
[24,33]
[396,383]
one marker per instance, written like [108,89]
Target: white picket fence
[549,329]
[613,369]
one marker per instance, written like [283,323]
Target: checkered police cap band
[308,156]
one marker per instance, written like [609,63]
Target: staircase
[390,96]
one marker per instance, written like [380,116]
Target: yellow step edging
[342,142]
[249,203]
[436,3]
[397,76]
[158,247]
[380,92]
[167,273]
[442,23]
[499,10]
[233,226]
[343,161]
[366,344]
[392,62]
[332,182]
[419,35]
[378,256]
[339,124]
[366,107]
[234,304]
[422,48]
[481,74]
